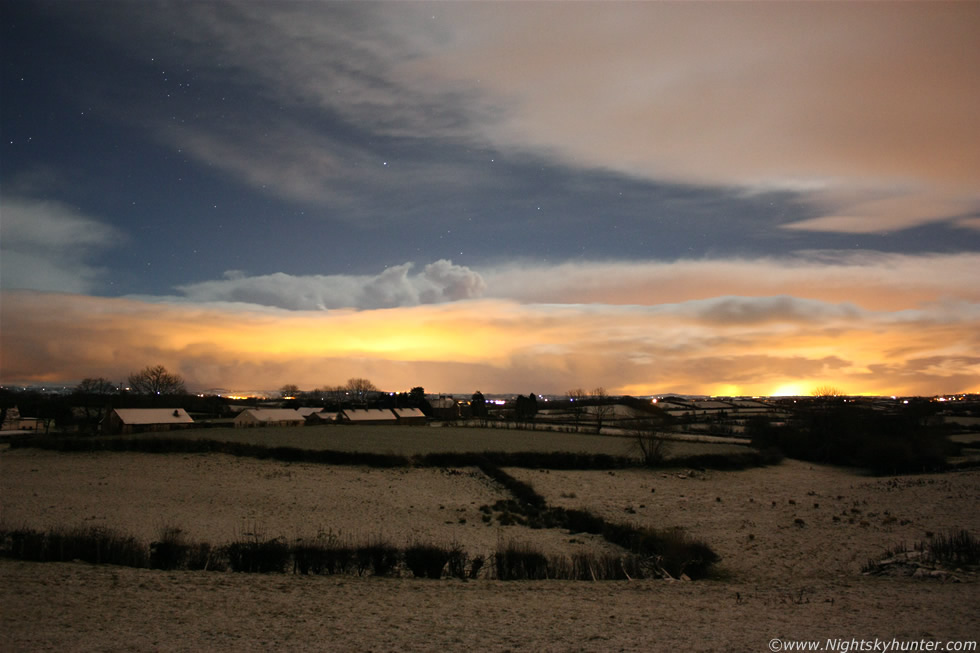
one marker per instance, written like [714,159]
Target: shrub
[203,557]
[426,560]
[583,521]
[521,491]
[476,565]
[456,565]
[850,434]
[310,558]
[951,549]
[24,544]
[516,561]
[605,566]
[959,548]
[672,551]
[379,556]
[254,556]
[97,545]
[169,551]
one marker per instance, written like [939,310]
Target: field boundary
[522,459]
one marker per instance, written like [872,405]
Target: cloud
[867,110]
[48,245]
[321,81]
[730,345]
[797,287]
[895,212]
[872,280]
[396,286]
[817,98]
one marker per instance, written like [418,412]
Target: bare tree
[289,391]
[97,386]
[92,396]
[651,444]
[601,408]
[156,381]
[576,404]
[359,387]
[827,392]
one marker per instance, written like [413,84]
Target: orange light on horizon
[490,344]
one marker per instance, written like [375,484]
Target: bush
[426,560]
[456,565]
[583,521]
[672,551]
[96,544]
[605,566]
[24,544]
[326,554]
[854,435]
[379,556]
[476,565]
[953,549]
[520,562]
[169,551]
[254,556]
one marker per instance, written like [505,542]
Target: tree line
[156,386]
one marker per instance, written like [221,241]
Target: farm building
[444,408]
[321,418]
[306,411]
[367,416]
[140,420]
[252,417]
[409,416]
[12,421]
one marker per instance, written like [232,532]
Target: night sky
[731,198]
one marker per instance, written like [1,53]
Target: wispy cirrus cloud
[844,104]
[866,111]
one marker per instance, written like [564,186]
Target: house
[11,420]
[409,416]
[252,417]
[306,411]
[444,408]
[367,416]
[141,420]
[321,418]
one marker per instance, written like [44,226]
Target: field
[417,440]
[793,540]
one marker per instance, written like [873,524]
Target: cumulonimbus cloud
[395,286]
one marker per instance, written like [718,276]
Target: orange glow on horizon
[494,345]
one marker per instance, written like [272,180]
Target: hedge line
[560,460]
